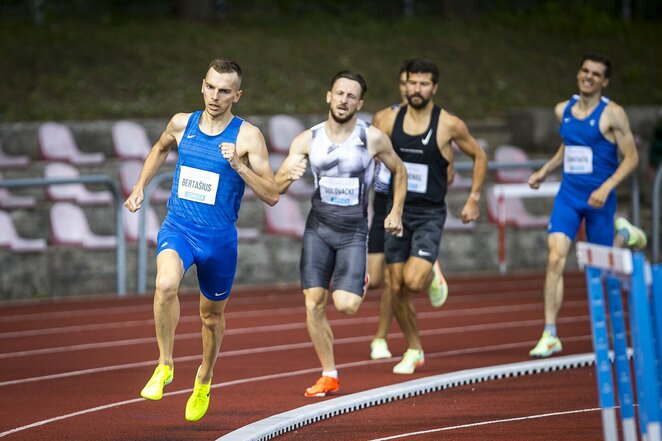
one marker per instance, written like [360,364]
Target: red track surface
[73,368]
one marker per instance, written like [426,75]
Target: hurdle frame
[610,264]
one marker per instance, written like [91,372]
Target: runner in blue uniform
[379,275]
[422,133]
[219,154]
[593,129]
[342,152]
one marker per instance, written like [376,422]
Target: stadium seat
[56,143]
[284,218]
[9,200]
[12,161]
[77,193]
[131,225]
[69,226]
[245,234]
[517,215]
[9,237]
[129,172]
[130,141]
[282,130]
[511,154]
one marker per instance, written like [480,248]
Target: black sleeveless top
[427,169]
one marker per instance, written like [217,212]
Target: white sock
[332,374]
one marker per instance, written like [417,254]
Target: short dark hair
[423,65]
[223,65]
[403,66]
[598,58]
[350,76]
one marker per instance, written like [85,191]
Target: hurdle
[622,270]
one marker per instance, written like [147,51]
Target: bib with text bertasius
[197,185]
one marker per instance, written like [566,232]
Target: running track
[72,369]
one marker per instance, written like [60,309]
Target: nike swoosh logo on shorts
[424,253]
[218,294]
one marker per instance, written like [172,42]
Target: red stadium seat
[284,218]
[69,226]
[9,238]
[56,143]
[131,225]
[77,193]
[11,161]
[282,129]
[511,154]
[130,141]
[129,172]
[9,200]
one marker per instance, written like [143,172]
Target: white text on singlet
[578,160]
[339,191]
[417,177]
[197,185]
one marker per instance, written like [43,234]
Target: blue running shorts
[212,250]
[570,207]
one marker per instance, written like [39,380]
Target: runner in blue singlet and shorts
[219,154]
[342,152]
[594,130]
[422,133]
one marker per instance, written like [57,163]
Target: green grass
[154,68]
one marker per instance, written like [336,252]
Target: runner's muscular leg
[318,326]
[346,302]
[417,274]
[559,246]
[213,329]
[403,306]
[169,273]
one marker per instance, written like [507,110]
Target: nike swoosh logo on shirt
[425,140]
[190,136]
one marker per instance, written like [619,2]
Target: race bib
[339,191]
[578,160]
[197,185]
[417,177]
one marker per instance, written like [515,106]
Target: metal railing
[117,196]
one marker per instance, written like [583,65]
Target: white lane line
[489,422]
[283,311]
[285,347]
[249,330]
[260,378]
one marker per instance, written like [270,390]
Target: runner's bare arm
[155,159]
[460,134]
[257,173]
[379,146]
[294,165]
[555,161]
[619,125]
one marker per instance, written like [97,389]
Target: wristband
[475,196]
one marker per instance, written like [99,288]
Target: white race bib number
[197,185]
[339,191]
[417,177]
[578,160]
